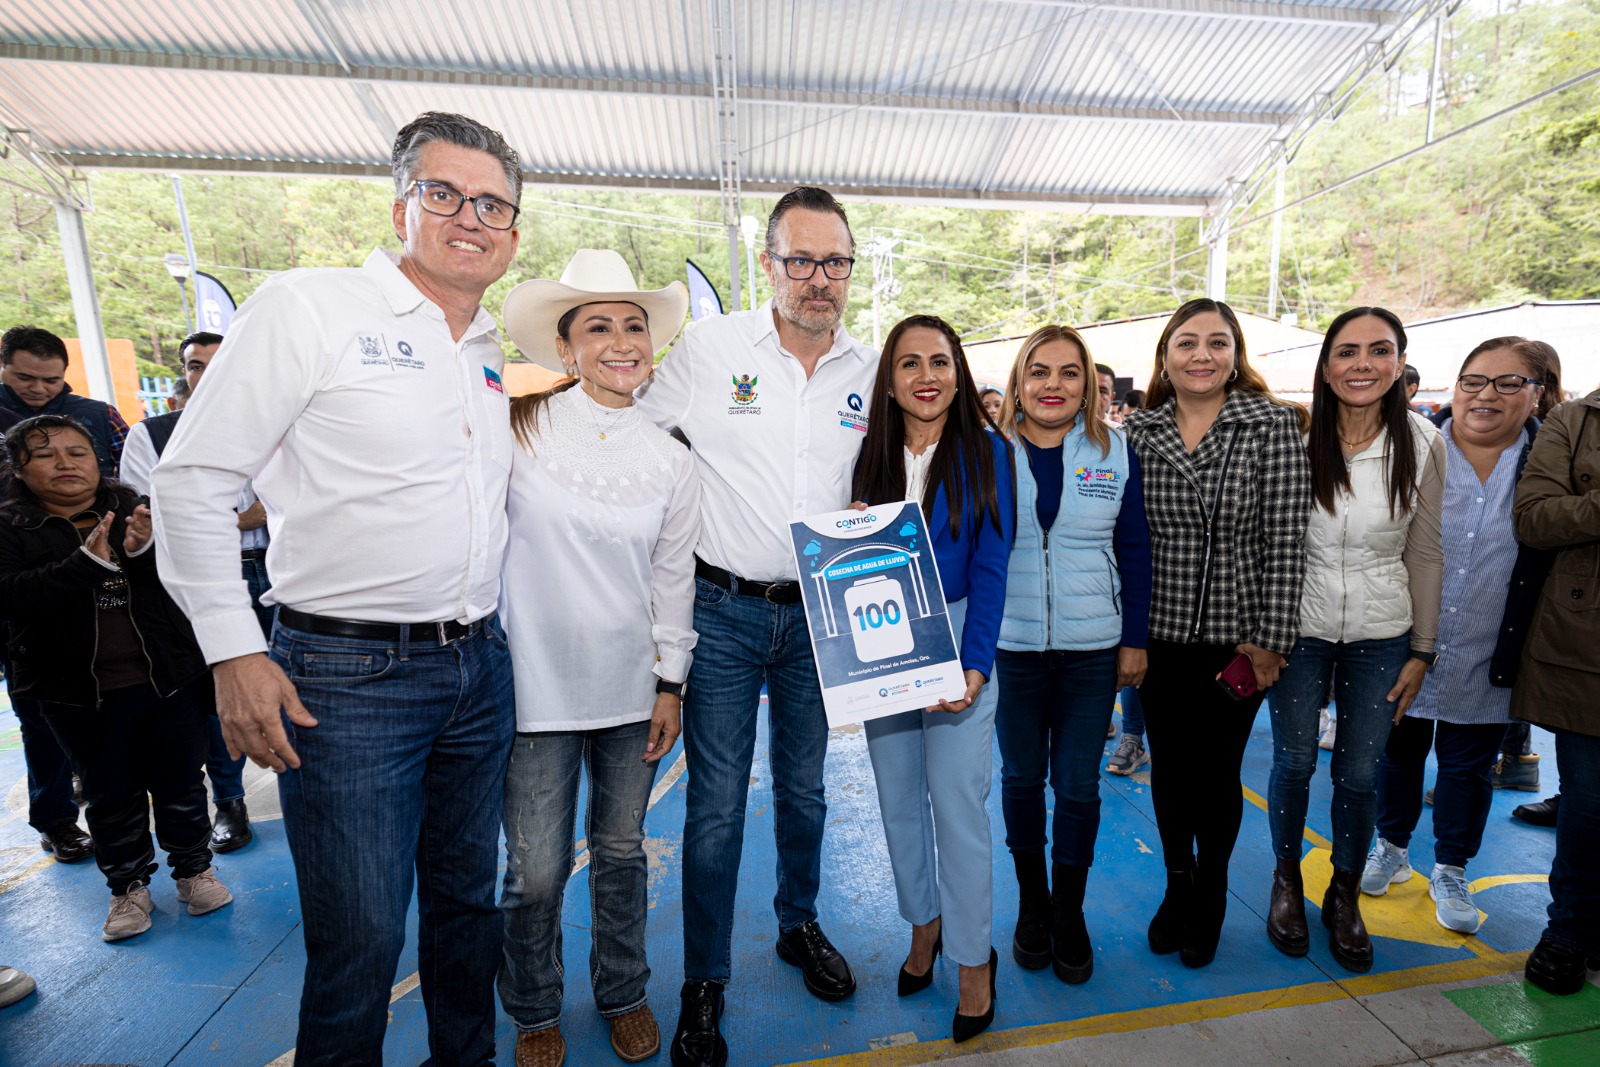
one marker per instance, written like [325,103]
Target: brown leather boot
[1286,917]
[1341,914]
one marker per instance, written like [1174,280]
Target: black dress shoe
[827,975]
[1557,968]
[967,1027]
[916,983]
[1539,813]
[698,1042]
[230,830]
[67,841]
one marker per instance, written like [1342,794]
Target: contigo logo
[853,523]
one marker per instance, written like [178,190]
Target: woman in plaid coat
[1227,492]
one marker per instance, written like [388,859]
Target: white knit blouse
[598,590]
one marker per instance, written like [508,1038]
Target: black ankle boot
[1286,915]
[1166,929]
[1341,914]
[1073,955]
[1031,944]
[1204,929]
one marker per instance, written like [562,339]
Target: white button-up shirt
[771,445]
[380,446]
[139,460]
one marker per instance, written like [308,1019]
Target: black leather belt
[771,592]
[415,633]
[253,553]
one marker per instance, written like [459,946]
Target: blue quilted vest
[1063,590]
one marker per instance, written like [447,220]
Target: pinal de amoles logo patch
[744,389]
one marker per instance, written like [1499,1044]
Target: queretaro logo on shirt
[744,395]
[375,353]
[855,417]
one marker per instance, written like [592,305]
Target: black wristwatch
[677,689]
[1430,658]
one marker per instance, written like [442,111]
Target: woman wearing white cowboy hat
[598,604]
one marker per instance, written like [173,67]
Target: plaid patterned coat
[1257,544]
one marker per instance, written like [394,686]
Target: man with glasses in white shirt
[367,405]
[774,403]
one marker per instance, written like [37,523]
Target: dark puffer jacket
[47,598]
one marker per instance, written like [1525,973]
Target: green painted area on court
[1545,1030]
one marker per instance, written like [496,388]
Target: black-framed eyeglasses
[1509,384]
[439,198]
[802,268]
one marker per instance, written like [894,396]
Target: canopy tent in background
[1437,346]
[1128,346]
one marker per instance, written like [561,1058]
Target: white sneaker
[1327,728]
[1386,866]
[129,915]
[203,893]
[1452,898]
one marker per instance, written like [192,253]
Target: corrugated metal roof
[1129,105]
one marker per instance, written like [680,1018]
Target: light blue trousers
[933,771]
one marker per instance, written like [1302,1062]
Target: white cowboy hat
[594,276]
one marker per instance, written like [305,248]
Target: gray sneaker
[1452,899]
[1129,756]
[129,915]
[203,893]
[1386,866]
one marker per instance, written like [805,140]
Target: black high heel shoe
[916,983]
[967,1027]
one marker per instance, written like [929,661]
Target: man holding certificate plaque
[774,403]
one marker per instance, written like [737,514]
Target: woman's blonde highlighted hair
[1011,414]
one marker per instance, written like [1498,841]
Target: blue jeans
[541,811]
[404,771]
[1462,792]
[1052,718]
[746,642]
[1575,874]
[1363,673]
[1132,711]
[255,576]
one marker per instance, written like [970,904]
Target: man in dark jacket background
[33,368]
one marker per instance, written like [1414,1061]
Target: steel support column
[85,302]
[1217,261]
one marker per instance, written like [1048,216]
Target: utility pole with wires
[880,247]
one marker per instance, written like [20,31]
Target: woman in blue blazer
[927,441]
[1077,615]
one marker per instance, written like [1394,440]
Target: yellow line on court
[1261,802]
[1490,881]
[1175,1014]
[27,872]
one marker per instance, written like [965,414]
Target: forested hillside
[1504,212]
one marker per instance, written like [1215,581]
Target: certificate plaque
[880,630]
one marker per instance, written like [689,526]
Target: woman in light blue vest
[1076,616]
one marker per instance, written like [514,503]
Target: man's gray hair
[453,129]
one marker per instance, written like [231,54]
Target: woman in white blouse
[598,605]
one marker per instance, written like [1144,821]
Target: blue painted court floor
[223,989]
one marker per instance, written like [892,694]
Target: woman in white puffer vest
[1369,613]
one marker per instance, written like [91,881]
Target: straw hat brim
[534,308]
